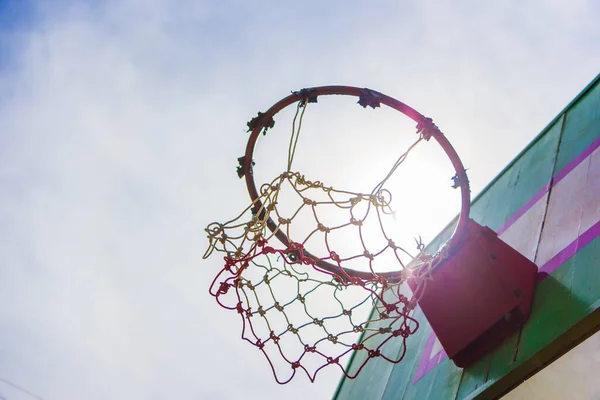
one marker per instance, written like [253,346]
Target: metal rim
[367,97]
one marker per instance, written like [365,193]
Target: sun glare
[352,149]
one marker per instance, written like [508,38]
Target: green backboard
[546,205]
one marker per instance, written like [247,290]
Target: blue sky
[120,125]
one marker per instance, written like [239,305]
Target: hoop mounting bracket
[307,95]
[427,128]
[261,120]
[242,168]
[369,98]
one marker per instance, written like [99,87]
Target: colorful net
[307,310]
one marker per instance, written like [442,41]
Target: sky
[120,126]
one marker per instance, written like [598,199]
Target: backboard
[546,205]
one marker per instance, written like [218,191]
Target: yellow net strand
[296,132]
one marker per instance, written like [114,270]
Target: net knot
[357,281]
[334,256]
[331,360]
[274,337]
[284,221]
[355,200]
[310,349]
[374,353]
[223,288]
[401,332]
[356,222]
[308,260]
[383,198]
[293,246]
[390,308]
[229,262]
[382,282]
[239,308]
[323,228]
[295,254]
[268,250]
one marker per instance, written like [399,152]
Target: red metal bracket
[479,295]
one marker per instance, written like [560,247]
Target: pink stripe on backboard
[438,358]
[557,178]
[424,367]
[429,361]
[524,209]
[576,161]
[569,251]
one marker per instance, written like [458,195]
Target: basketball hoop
[276,282]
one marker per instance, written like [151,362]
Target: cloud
[121,123]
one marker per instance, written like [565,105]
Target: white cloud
[119,139]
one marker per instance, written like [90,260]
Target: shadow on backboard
[559,321]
